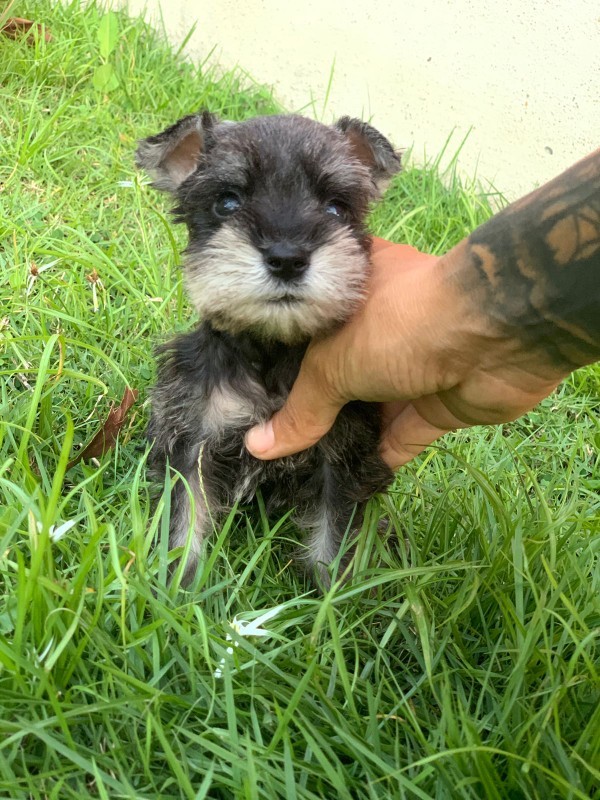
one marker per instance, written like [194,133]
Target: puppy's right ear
[171,156]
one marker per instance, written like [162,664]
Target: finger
[389,411]
[378,244]
[407,436]
[399,251]
[309,412]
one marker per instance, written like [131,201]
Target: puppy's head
[275,208]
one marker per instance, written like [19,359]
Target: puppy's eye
[227,204]
[336,209]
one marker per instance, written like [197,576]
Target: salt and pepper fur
[301,194]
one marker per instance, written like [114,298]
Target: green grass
[460,662]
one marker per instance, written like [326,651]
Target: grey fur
[278,253]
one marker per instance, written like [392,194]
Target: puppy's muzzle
[286,261]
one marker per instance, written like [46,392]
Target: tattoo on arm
[538,261]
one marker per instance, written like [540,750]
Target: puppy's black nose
[286,261]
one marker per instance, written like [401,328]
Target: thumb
[410,433]
[308,413]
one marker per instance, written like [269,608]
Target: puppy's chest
[229,470]
[250,384]
[229,407]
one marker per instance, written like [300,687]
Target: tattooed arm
[538,263]
[478,336]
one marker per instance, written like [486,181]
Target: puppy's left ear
[173,155]
[372,148]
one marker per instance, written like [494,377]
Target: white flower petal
[245,627]
[57,533]
[253,627]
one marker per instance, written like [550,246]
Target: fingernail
[260,439]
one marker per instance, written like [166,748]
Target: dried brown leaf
[16,26]
[105,439]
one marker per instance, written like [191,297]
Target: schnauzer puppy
[278,253]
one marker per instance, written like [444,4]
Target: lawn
[461,660]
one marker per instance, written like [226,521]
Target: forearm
[534,269]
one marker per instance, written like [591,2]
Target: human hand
[422,346]
[477,336]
